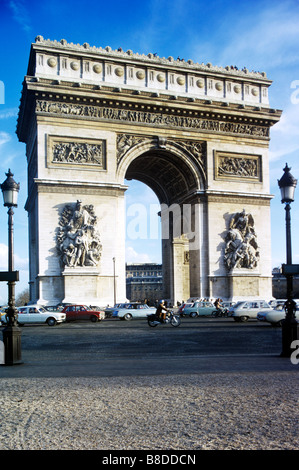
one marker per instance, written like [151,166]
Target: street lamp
[11,334]
[287,185]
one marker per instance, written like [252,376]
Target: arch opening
[173,181]
[166,174]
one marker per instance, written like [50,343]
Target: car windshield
[238,304]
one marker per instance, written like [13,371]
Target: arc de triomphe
[197,134]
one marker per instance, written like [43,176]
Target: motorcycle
[153,320]
[220,312]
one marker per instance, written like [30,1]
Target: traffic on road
[272,313]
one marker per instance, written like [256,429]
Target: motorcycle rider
[161,311]
[218,306]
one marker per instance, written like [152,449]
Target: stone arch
[172,171]
[177,175]
[206,146]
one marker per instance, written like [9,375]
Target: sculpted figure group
[241,249]
[78,241]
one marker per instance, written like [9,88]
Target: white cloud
[4,138]
[20,14]
[260,35]
[133,257]
[285,134]
[19,262]
[8,113]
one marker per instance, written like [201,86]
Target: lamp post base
[290,333]
[12,345]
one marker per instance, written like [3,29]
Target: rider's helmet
[161,302]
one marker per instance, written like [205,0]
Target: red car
[81,312]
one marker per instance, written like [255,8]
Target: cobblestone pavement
[79,390]
[247,411]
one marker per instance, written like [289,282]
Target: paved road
[119,348]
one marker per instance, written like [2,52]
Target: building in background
[144,281]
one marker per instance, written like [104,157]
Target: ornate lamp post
[11,334]
[287,185]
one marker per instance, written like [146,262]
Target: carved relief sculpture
[238,167]
[234,166]
[78,241]
[73,152]
[241,249]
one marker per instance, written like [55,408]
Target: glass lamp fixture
[287,185]
[10,190]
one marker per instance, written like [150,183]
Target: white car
[37,314]
[275,316]
[133,310]
[244,310]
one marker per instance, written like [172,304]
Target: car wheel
[193,314]
[93,318]
[51,321]
[278,323]
[128,316]
[243,319]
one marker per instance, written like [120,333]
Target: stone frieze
[152,119]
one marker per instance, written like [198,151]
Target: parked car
[2,315]
[133,310]
[244,310]
[227,304]
[82,312]
[275,316]
[199,309]
[276,302]
[54,308]
[29,314]
[183,306]
[109,310]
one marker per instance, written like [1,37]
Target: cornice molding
[129,56]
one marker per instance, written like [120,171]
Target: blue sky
[261,35]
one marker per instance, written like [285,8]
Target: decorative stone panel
[73,152]
[238,166]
